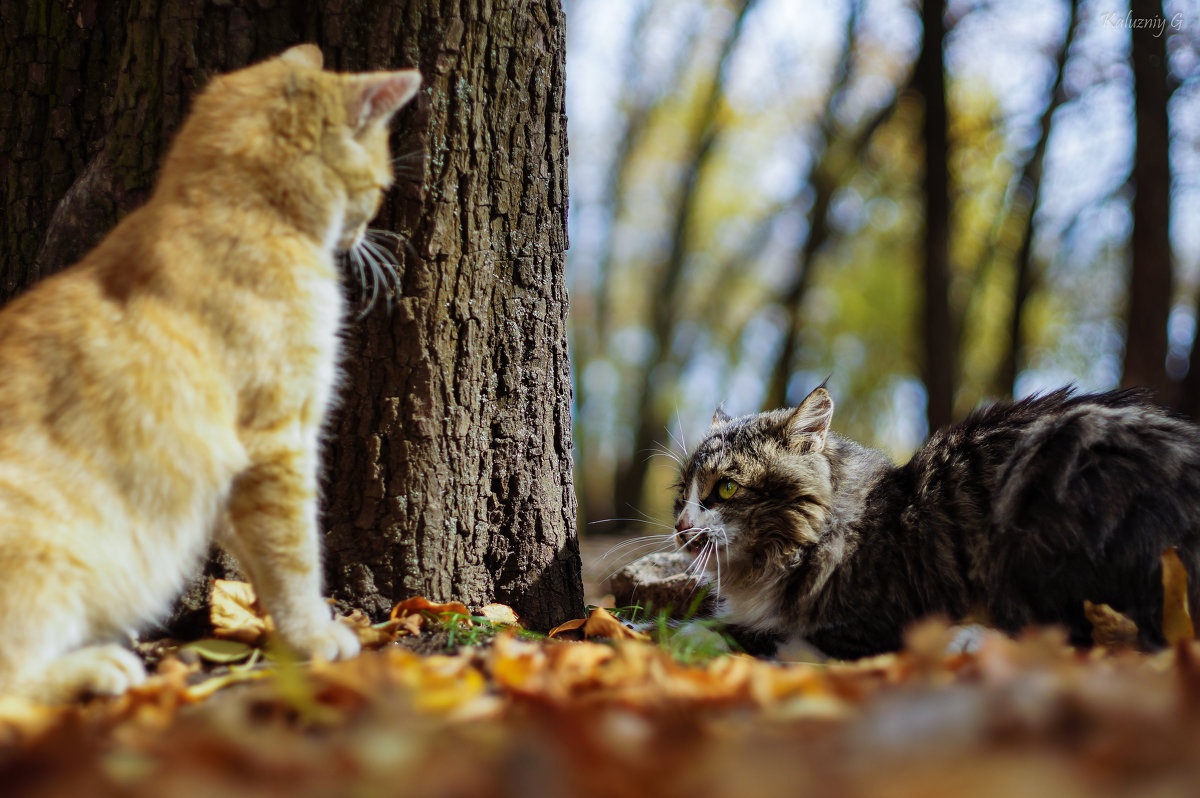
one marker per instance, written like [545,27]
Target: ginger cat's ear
[374,96]
[305,55]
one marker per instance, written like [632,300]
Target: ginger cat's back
[180,374]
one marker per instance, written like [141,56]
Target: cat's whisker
[383,269]
[638,550]
[663,451]
[378,233]
[632,549]
[407,157]
[638,542]
[706,553]
[373,253]
[355,260]
[609,573]
[359,261]
[680,440]
[698,565]
[647,520]
[367,259]
[408,245]
[720,550]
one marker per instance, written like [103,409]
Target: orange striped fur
[179,375]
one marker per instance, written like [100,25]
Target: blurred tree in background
[931,204]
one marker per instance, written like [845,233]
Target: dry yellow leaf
[568,630]
[418,605]
[500,614]
[372,635]
[600,623]
[1177,620]
[1110,628]
[236,615]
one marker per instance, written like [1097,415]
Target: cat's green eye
[726,488]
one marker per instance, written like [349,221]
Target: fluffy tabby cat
[1021,512]
[179,375]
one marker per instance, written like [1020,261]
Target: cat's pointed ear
[808,426]
[374,96]
[305,55]
[720,416]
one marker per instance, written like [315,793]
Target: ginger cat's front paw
[324,639]
[96,670]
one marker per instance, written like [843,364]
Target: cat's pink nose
[683,524]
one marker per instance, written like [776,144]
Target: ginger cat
[180,374]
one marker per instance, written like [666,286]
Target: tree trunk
[937,331]
[1150,283]
[450,471]
[451,475]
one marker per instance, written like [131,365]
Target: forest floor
[451,705]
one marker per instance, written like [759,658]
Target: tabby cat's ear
[808,426]
[374,96]
[720,416]
[305,55]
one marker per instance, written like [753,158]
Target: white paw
[96,670]
[325,639]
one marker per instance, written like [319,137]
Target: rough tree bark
[451,476]
[450,470]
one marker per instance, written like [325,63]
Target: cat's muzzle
[691,539]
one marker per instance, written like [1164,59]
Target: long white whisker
[636,549]
[720,549]
[368,260]
[637,541]
[663,451]
[379,232]
[696,568]
[356,261]
[679,440]
[629,557]
[386,270]
[631,521]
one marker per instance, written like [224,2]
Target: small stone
[657,583]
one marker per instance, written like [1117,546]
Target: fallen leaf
[236,615]
[1177,621]
[1110,628]
[206,688]
[565,630]
[412,612]
[372,635]
[410,624]
[22,718]
[599,623]
[500,614]
[220,651]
